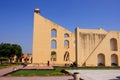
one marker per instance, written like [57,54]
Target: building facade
[26,58]
[56,46]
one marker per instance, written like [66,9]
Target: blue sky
[16,17]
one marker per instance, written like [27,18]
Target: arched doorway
[101,59]
[114,60]
[53,56]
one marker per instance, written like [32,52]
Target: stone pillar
[76,76]
[77,46]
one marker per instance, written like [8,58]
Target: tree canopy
[8,50]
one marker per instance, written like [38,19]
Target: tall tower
[41,39]
[43,51]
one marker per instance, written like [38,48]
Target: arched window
[114,60]
[101,59]
[66,44]
[53,56]
[53,33]
[66,35]
[53,44]
[113,44]
[66,56]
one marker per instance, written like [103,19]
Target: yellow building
[26,58]
[56,46]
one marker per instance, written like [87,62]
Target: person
[48,63]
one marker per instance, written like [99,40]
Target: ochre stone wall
[87,47]
[91,43]
[42,42]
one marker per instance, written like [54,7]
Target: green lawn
[56,72]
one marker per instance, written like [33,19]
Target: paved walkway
[8,70]
[84,74]
[98,74]
[38,78]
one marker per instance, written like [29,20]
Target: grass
[56,72]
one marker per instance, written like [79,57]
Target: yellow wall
[84,46]
[42,42]
[90,43]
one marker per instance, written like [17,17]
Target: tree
[8,50]
[5,51]
[17,50]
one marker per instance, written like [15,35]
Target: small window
[53,56]
[113,44]
[53,44]
[66,35]
[27,59]
[66,44]
[53,33]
